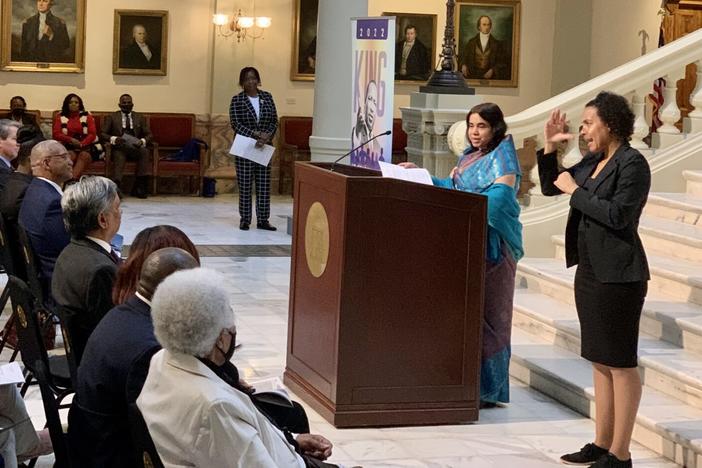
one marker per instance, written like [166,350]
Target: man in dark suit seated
[13,194]
[114,367]
[18,112]
[128,133]
[140,53]
[40,214]
[8,149]
[85,271]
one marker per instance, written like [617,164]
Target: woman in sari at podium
[489,166]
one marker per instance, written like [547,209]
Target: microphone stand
[331,169]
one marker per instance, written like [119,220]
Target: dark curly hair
[64,107]
[492,114]
[615,112]
[145,243]
[244,71]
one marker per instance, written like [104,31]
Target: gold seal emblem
[317,239]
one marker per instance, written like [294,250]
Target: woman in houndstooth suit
[252,114]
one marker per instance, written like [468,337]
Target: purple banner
[372,29]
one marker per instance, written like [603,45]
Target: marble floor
[532,432]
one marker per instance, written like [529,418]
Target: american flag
[658,85]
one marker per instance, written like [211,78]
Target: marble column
[331,131]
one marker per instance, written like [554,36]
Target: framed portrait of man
[488,41]
[140,45]
[43,35]
[304,51]
[415,46]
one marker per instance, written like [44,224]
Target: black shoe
[587,455]
[244,226]
[610,461]
[266,226]
[141,187]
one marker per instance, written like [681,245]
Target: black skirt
[609,315]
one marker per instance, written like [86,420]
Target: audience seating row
[171,131]
[294,145]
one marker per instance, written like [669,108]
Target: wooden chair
[399,142]
[293,145]
[172,132]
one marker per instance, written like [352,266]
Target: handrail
[637,74]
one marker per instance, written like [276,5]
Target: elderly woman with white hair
[197,414]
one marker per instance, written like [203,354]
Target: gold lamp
[241,25]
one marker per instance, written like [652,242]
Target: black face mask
[126,108]
[232,346]
[18,111]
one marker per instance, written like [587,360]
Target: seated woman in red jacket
[75,128]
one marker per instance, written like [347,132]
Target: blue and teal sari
[476,173]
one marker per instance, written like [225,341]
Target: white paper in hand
[418,175]
[245,147]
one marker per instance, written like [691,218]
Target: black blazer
[113,370]
[610,212]
[82,282]
[41,216]
[242,115]
[44,50]
[4,175]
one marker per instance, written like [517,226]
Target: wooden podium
[386,292]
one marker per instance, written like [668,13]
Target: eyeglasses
[62,156]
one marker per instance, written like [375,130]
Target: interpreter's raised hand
[555,131]
[315,446]
[408,165]
[566,183]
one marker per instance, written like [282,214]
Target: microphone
[331,169]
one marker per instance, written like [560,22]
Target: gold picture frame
[496,64]
[425,29]
[302,63]
[140,44]
[60,50]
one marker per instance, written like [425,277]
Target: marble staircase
[546,336]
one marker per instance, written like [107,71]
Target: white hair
[190,309]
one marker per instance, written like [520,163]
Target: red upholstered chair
[293,145]
[399,142]
[172,132]
[96,167]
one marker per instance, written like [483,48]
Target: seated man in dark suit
[8,148]
[85,270]
[128,133]
[18,112]
[13,194]
[114,367]
[40,214]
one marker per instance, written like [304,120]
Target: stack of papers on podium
[418,175]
